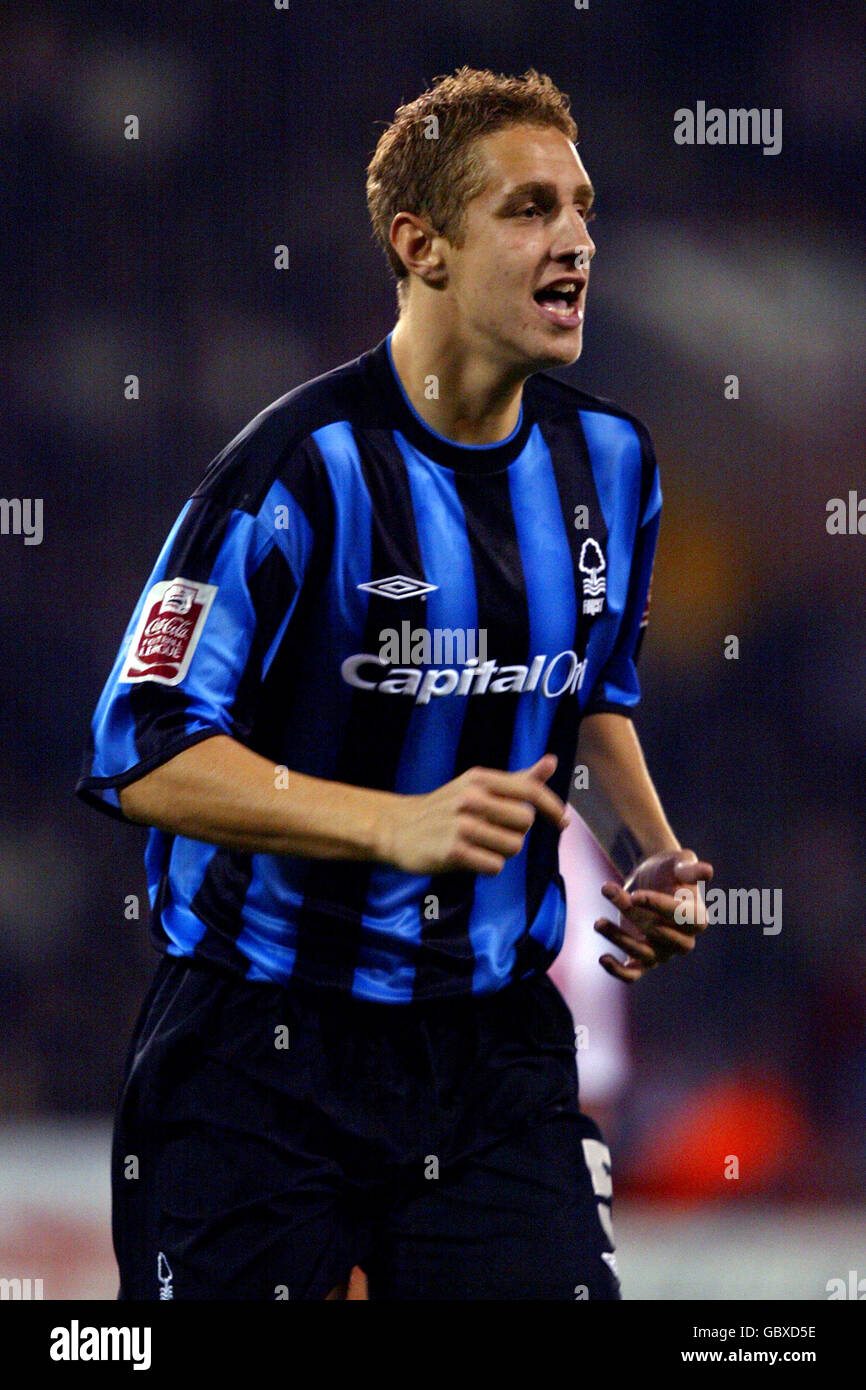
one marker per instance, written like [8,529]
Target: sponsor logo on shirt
[552,676]
[167,634]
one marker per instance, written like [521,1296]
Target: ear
[413,241]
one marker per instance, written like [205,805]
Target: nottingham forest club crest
[592,565]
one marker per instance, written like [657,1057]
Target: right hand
[473,823]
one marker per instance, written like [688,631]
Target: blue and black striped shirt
[357,598]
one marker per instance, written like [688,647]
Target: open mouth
[560,301]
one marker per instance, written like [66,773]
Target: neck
[472,398]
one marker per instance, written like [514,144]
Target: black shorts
[269,1138]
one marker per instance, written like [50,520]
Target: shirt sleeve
[200,640]
[617,688]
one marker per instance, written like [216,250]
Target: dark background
[155,257]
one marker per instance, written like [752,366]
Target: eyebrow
[535,188]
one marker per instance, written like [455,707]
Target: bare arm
[620,805]
[221,792]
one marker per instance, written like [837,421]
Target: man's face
[521,233]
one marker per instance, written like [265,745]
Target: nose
[573,239]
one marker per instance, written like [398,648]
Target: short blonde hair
[435,175]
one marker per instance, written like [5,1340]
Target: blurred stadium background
[155,257]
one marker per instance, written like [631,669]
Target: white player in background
[597,1001]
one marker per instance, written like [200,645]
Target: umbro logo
[398,586]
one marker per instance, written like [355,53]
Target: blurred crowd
[155,257]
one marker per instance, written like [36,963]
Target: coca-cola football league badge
[168,631]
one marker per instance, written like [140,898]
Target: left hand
[648,932]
